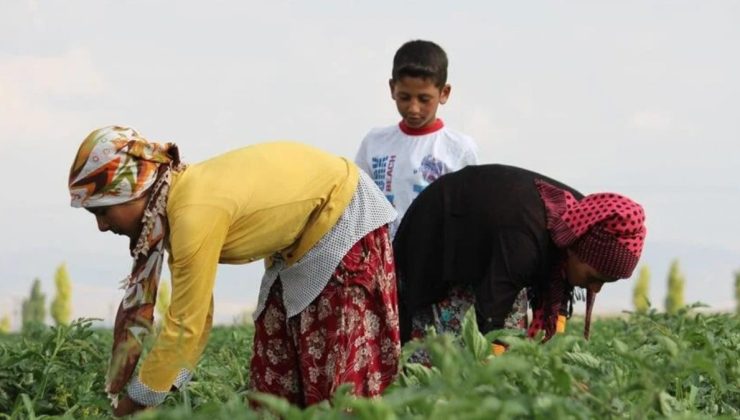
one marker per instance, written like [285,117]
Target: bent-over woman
[500,238]
[327,309]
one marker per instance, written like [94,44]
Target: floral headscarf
[115,165]
[605,230]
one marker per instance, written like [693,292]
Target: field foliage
[641,366]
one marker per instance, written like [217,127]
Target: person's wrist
[127,406]
[497,349]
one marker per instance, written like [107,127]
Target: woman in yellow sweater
[327,310]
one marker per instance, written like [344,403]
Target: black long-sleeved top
[483,226]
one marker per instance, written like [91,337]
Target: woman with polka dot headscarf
[501,238]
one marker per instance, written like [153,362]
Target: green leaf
[582,359]
[474,341]
[620,346]
[668,345]
[423,374]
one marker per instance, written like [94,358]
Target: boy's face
[417,99]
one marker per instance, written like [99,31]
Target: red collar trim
[431,128]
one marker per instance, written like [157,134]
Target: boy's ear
[444,93]
[391,84]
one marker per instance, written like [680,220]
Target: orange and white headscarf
[115,165]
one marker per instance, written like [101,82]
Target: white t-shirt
[403,161]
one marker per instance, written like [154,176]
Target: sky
[636,97]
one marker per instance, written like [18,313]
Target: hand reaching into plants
[126,406]
[497,349]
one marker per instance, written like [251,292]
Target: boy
[404,158]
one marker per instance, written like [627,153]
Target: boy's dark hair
[423,59]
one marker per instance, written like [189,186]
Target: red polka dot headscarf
[605,230]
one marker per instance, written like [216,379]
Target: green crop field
[641,366]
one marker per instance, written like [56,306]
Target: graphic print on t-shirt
[402,165]
[431,168]
[382,174]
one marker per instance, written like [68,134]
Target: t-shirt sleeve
[470,155]
[361,158]
[513,262]
[196,237]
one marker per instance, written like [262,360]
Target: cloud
[32,7]
[656,120]
[72,73]
[488,134]
[37,91]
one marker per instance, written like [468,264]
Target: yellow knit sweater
[236,208]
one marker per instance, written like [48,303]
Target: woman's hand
[127,406]
[497,349]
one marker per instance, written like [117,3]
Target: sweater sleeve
[197,238]
[513,261]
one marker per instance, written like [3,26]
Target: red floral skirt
[348,334]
